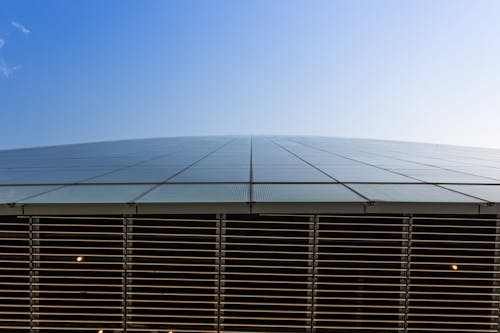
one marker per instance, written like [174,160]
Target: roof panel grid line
[334,179]
[48,192]
[442,175]
[185,168]
[424,161]
[249,170]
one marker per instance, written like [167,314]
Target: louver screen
[360,272]
[249,274]
[16,298]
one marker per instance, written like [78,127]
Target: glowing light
[80,259]
[454,267]
[100,331]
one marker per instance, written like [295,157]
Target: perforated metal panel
[249,273]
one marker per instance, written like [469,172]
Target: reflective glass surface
[138,174]
[366,174]
[489,172]
[410,193]
[198,193]
[10,194]
[435,175]
[289,174]
[62,176]
[294,168]
[197,174]
[486,192]
[304,193]
[8,176]
[90,194]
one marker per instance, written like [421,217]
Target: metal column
[127,234]
[34,243]
[220,262]
[406,269]
[313,257]
[495,322]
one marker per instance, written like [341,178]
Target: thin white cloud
[21,27]
[6,70]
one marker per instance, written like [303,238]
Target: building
[250,234]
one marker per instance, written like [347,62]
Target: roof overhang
[249,208]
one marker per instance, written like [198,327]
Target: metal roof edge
[247,208]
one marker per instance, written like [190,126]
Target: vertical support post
[495,322]
[404,302]
[312,271]
[126,252]
[220,268]
[34,243]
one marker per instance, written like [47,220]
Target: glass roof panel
[366,174]
[304,193]
[97,194]
[277,174]
[410,193]
[489,172]
[197,193]
[137,174]
[435,175]
[489,193]
[195,174]
[10,194]
[285,160]
[70,175]
[11,174]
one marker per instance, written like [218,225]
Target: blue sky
[101,70]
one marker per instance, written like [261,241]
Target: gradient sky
[77,71]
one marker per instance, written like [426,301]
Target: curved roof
[243,174]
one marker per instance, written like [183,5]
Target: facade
[250,234]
